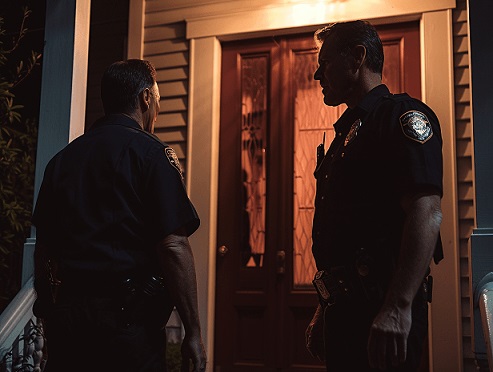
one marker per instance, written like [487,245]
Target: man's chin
[330,101]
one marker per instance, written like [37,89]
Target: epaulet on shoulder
[152,136]
[398,97]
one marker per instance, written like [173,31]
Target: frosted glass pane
[253,130]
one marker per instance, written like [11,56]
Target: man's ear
[359,56]
[145,99]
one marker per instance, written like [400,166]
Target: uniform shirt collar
[372,97]
[364,106]
[116,119]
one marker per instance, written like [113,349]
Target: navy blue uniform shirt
[108,197]
[386,147]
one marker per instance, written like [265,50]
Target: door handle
[222,250]
[281,262]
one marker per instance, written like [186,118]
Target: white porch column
[135,44]
[63,90]
[438,92]
[203,170]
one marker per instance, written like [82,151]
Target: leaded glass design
[311,120]
[253,138]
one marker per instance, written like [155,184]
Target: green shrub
[17,161]
[173,357]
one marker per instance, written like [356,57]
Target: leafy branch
[22,71]
[17,158]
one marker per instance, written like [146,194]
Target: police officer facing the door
[112,253]
[377,212]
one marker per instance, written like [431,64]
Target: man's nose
[317,75]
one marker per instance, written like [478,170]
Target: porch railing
[484,302]
[22,344]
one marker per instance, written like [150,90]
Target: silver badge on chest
[353,132]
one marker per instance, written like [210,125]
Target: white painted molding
[307,13]
[79,71]
[438,93]
[169,11]
[203,174]
[135,38]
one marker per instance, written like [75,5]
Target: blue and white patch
[416,126]
[353,132]
[173,160]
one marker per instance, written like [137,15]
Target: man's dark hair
[346,35]
[122,83]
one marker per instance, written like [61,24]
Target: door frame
[437,76]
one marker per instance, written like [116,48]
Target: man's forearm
[176,261]
[423,219]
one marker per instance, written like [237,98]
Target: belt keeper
[328,287]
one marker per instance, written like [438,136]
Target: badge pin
[416,126]
[353,132]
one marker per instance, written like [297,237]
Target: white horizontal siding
[465,177]
[166,47]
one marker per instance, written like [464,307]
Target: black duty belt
[338,283]
[104,287]
[110,285]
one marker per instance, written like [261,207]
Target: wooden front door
[272,119]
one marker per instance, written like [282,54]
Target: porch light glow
[317,11]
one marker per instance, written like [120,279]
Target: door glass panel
[312,118]
[254,90]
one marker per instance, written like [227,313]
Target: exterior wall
[109,23]
[166,44]
[166,47]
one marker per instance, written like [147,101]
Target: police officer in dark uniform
[377,212]
[112,255]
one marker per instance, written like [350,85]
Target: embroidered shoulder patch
[173,160]
[416,126]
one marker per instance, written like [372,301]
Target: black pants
[92,334]
[346,328]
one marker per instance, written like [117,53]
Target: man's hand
[387,343]
[176,261]
[192,349]
[388,337]
[314,335]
